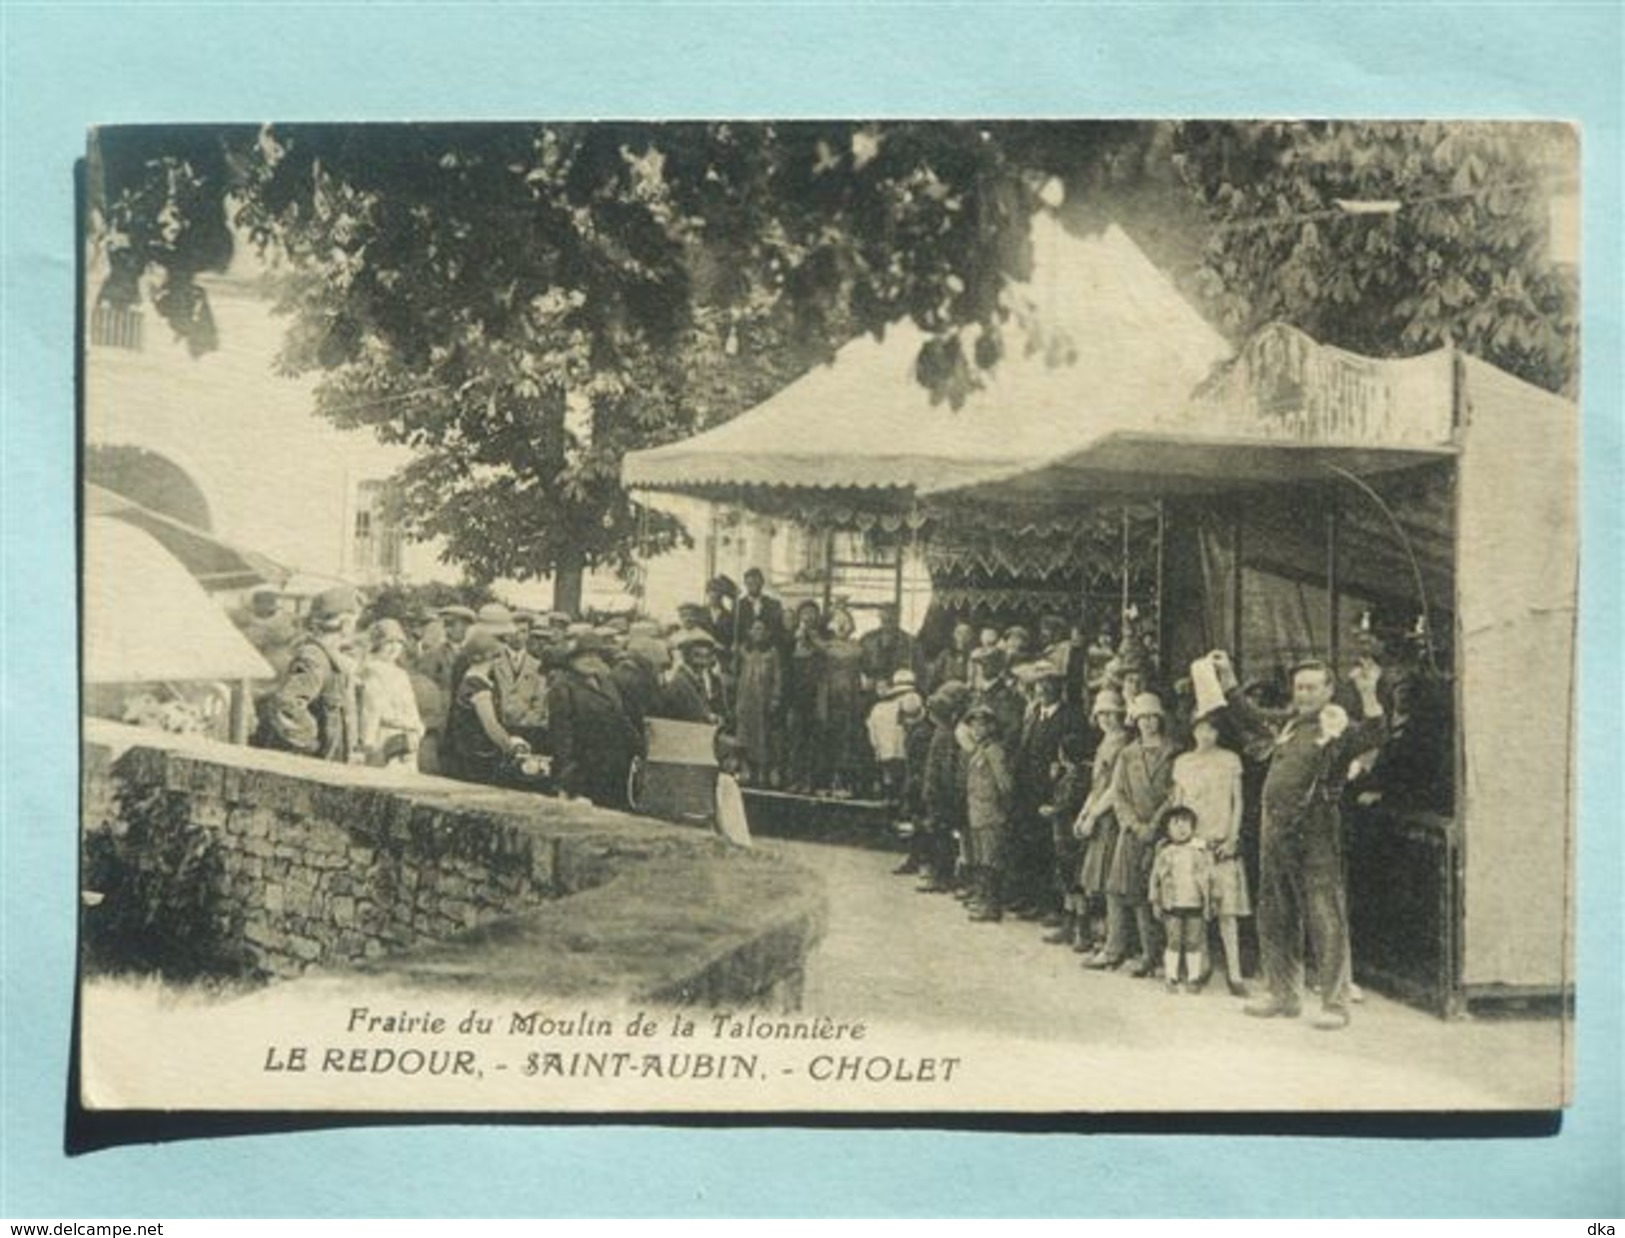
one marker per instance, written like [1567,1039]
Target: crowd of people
[1040,775]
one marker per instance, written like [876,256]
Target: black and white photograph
[829,616]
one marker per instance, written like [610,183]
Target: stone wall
[318,866]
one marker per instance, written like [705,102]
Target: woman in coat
[1141,787]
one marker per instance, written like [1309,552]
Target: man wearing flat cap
[521,686]
[313,709]
[440,662]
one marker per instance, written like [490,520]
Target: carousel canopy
[148,621]
[1112,340]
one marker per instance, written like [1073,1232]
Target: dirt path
[893,955]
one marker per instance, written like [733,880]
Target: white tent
[146,620]
[1126,346]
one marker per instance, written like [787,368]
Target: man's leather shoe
[1330,1020]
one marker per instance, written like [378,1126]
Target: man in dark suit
[888,649]
[593,738]
[695,691]
[1301,885]
[755,606]
[1047,719]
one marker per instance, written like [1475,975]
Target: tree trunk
[567,578]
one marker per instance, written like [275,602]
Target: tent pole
[241,698]
[1235,590]
[1162,543]
[1122,613]
[829,569]
[1333,583]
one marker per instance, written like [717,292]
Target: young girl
[758,695]
[1207,780]
[987,794]
[1180,892]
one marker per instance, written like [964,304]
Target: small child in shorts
[1182,898]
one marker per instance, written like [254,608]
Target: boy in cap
[988,788]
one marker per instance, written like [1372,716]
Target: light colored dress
[1209,784]
[389,707]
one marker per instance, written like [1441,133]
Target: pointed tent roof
[864,421]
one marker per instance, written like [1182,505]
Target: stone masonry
[329,867]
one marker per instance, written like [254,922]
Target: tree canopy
[523,303]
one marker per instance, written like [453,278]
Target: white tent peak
[1136,350]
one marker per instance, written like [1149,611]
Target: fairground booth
[1267,503]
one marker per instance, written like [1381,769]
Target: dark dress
[841,709]
[469,752]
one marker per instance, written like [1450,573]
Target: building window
[376,541]
[113,326]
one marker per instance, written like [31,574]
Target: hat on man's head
[644,627]
[465,613]
[901,682]
[685,638]
[1038,670]
[982,711]
[557,619]
[588,644]
[333,604]
[577,630]
[1146,705]
[496,619]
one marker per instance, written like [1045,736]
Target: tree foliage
[524,303]
[1465,257]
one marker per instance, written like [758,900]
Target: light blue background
[68,66]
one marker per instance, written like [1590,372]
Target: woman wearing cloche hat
[1141,785]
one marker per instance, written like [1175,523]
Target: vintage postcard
[828,617]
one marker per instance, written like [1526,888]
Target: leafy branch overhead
[523,304]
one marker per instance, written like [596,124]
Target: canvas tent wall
[1517,588]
